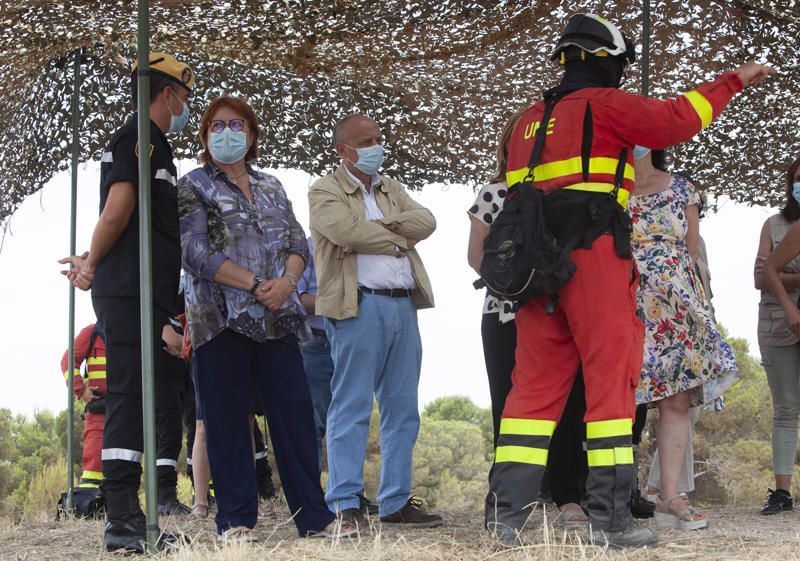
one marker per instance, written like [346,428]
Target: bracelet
[291,279]
[256,283]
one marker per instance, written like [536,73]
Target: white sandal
[686,519]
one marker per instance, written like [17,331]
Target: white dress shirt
[379,271]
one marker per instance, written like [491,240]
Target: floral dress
[683,349]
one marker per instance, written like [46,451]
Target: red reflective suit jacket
[95,361]
[619,120]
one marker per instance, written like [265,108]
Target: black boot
[608,487]
[168,503]
[640,506]
[516,477]
[266,488]
[126,529]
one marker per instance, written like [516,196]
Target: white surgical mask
[796,191]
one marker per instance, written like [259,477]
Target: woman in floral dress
[686,360]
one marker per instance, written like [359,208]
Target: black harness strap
[586,142]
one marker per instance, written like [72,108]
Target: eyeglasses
[236,125]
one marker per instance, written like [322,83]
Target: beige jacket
[339,220]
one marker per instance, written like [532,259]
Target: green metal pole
[646,47]
[73,220]
[146,278]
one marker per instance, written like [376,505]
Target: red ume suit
[94,353]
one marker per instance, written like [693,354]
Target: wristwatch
[256,283]
[291,279]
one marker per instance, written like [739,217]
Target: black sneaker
[412,516]
[777,501]
[640,506]
[365,505]
[173,506]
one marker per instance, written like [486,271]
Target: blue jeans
[379,352]
[318,365]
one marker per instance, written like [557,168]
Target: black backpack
[89,503]
[521,257]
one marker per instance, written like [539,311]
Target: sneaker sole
[433,524]
[664,520]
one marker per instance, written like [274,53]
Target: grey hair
[338,129]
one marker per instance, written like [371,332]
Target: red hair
[241,107]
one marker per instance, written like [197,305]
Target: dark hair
[791,210]
[660,160]
[241,107]
[158,83]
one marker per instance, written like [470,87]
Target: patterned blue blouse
[217,223]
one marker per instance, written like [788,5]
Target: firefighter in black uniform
[111,269]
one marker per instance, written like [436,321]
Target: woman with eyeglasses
[243,252]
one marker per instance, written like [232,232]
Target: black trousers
[567,468]
[123,439]
[499,346]
[226,368]
[171,389]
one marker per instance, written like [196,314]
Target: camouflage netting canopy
[441,76]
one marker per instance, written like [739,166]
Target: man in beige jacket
[371,282]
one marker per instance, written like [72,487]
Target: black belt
[318,332]
[391,292]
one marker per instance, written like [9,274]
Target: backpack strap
[619,176]
[586,142]
[541,133]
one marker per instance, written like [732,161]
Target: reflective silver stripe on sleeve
[260,455]
[166,462]
[121,454]
[166,176]
[107,157]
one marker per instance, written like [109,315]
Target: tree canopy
[441,77]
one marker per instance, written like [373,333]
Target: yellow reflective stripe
[95,374]
[92,475]
[610,457]
[622,195]
[89,486]
[75,372]
[606,429]
[527,427]
[572,166]
[96,360]
[521,454]
[701,106]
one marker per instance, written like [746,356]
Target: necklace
[237,177]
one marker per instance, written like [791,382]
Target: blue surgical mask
[640,152]
[177,122]
[796,191]
[370,159]
[227,147]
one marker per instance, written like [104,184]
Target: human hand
[759,267]
[752,73]
[274,293]
[89,394]
[80,274]
[793,319]
[341,252]
[173,341]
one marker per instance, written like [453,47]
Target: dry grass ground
[735,534]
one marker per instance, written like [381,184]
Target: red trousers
[93,444]
[594,325]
